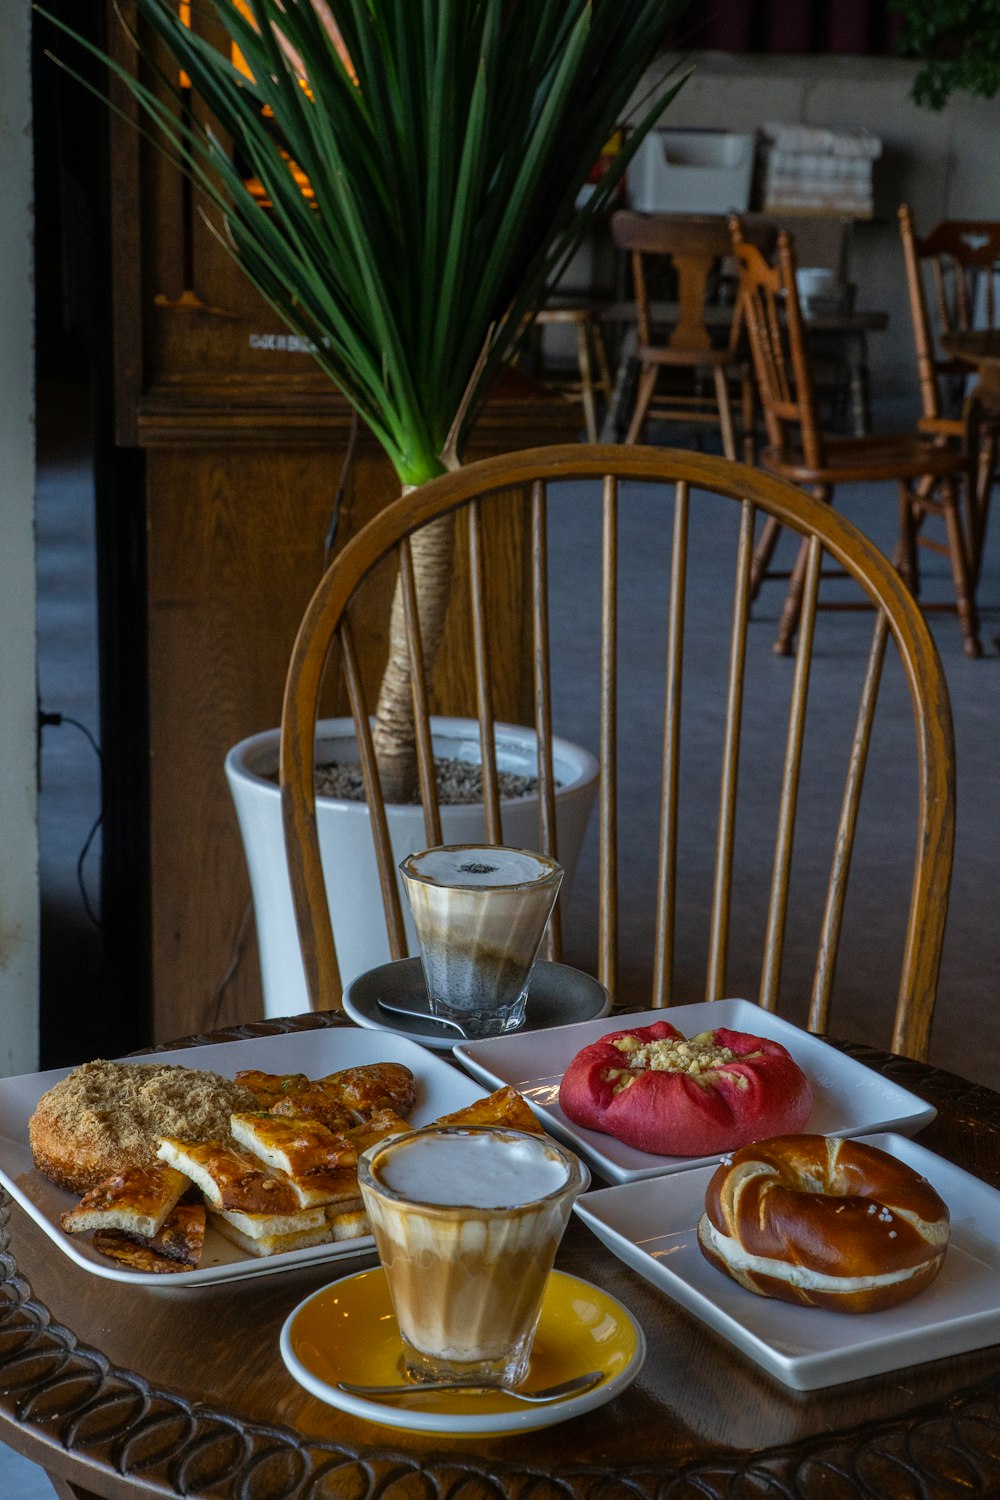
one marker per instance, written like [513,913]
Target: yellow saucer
[348,1331]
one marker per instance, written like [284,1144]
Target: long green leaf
[444,176]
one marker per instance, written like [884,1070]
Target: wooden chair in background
[584,376]
[927,471]
[692,490]
[693,246]
[951,276]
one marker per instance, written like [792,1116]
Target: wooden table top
[979,347]
[139,1392]
[720,315]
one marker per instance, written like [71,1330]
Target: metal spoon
[420,1015]
[574,1387]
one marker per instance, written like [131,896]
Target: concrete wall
[944,165]
[18,734]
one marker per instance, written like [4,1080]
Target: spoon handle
[418,1015]
[575,1386]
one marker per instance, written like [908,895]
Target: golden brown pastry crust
[136,1201]
[506,1107]
[824,1222]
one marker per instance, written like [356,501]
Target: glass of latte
[480,913]
[467,1221]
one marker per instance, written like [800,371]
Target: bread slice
[230,1178]
[327,1163]
[291,1144]
[506,1108]
[270,1244]
[374,1087]
[136,1201]
[177,1246]
[295,1094]
[348,1223]
[260,1226]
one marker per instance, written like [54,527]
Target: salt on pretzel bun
[824,1222]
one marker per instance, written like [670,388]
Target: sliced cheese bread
[270,1244]
[136,1201]
[177,1246]
[231,1178]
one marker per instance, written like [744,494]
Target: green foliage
[444,174]
[958,42]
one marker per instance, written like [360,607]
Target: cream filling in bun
[739,1259]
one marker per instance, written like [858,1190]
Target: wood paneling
[245,440]
[238,500]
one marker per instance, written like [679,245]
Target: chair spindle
[722,890]
[608,799]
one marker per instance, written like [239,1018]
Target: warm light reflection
[185,14]
[325,15]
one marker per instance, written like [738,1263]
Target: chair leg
[961,571]
[725,412]
[763,552]
[643,398]
[600,349]
[906,548]
[980,487]
[748,417]
[586,381]
[792,607]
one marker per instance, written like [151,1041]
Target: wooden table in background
[129,1393]
[847,331]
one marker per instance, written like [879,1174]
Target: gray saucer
[557,996]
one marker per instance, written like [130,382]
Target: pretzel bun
[661,1092]
[824,1222]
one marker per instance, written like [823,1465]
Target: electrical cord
[44,721]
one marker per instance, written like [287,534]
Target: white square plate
[848,1098]
[440,1089]
[652,1227]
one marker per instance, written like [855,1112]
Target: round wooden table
[123,1393]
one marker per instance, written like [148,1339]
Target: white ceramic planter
[346,845]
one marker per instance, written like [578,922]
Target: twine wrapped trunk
[432,549]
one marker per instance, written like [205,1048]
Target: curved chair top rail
[896,616]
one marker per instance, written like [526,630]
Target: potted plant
[402,190]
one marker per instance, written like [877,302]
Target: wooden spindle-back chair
[693,245]
[677,495]
[951,278]
[928,471]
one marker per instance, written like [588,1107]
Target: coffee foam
[472,867]
[476,1171]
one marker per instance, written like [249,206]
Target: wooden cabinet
[245,442]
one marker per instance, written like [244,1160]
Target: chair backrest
[694,244]
[951,280]
[769,298]
[583,503]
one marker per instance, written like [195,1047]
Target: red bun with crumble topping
[661,1092]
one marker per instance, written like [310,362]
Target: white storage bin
[692,171]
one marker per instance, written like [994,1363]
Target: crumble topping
[696,1056]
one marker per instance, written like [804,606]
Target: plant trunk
[432,549]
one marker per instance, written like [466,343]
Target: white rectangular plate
[440,1089]
[651,1226]
[848,1098]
